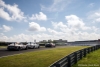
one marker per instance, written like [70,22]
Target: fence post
[94,48]
[57,65]
[85,52]
[75,57]
[91,49]
[80,54]
[69,61]
[99,46]
[88,50]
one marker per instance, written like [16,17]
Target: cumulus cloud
[3,37]
[57,5]
[10,12]
[5,28]
[59,24]
[94,16]
[44,36]
[62,27]
[40,16]
[4,14]
[24,37]
[13,13]
[35,27]
[95,29]
[74,28]
[29,38]
[75,22]
[15,38]
[89,36]
[54,32]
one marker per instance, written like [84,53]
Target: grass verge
[38,58]
[91,60]
[3,46]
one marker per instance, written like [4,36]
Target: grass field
[91,60]
[41,58]
[3,46]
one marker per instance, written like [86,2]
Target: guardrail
[74,57]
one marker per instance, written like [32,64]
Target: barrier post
[85,52]
[69,61]
[75,57]
[80,54]
[57,65]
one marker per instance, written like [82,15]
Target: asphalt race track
[4,52]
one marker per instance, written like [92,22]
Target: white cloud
[40,16]
[13,14]
[75,22]
[3,37]
[91,5]
[4,14]
[94,16]
[5,28]
[74,28]
[95,29]
[59,24]
[44,36]
[54,32]
[89,36]
[35,27]
[23,37]
[57,5]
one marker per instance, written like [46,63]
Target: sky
[29,20]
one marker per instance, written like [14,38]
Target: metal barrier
[74,57]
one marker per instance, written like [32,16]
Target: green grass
[91,60]
[41,58]
[3,46]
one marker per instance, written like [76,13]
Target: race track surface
[4,52]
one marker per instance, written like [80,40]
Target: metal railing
[74,57]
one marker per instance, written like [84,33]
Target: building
[87,42]
[60,41]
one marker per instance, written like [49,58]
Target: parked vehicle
[50,45]
[17,46]
[33,45]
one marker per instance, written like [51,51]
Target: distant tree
[50,41]
[24,43]
[54,41]
[44,41]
